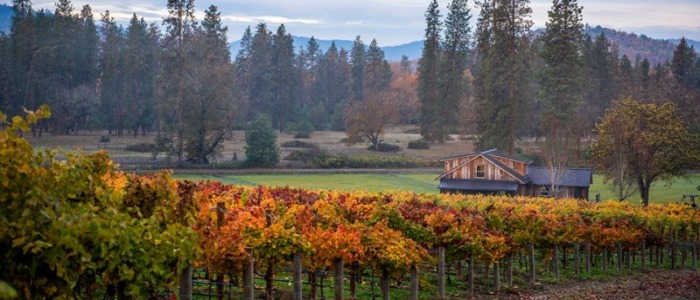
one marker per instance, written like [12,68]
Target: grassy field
[425,183]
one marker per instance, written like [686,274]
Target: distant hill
[631,44]
[391,53]
[5,18]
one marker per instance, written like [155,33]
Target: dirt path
[657,284]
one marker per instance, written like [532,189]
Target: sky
[393,22]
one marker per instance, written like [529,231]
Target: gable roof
[489,155]
[572,177]
[491,152]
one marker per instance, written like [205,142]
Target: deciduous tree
[651,141]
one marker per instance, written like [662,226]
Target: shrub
[303,129]
[384,147]
[418,144]
[370,161]
[297,144]
[261,143]
[141,147]
[308,156]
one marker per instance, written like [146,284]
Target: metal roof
[574,177]
[478,185]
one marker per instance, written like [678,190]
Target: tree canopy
[650,140]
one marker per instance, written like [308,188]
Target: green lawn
[424,183]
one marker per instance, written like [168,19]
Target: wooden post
[509,270]
[414,283]
[296,276]
[338,280]
[555,263]
[441,273]
[577,259]
[673,255]
[619,257]
[248,284]
[186,283]
[384,284]
[220,218]
[658,256]
[496,277]
[588,257]
[470,275]
[694,250]
[605,260]
[531,262]
[642,257]
[684,254]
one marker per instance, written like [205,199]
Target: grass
[661,192]
[419,183]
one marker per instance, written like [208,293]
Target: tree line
[499,80]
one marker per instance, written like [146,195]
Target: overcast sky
[394,22]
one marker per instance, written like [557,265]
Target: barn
[492,172]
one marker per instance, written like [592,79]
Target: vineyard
[76,228]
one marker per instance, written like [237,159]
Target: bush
[370,161]
[141,147]
[384,147]
[297,144]
[308,156]
[303,129]
[418,144]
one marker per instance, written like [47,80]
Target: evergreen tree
[112,109]
[261,72]
[686,94]
[285,79]
[358,61]
[334,86]
[561,78]
[502,86]
[452,83]
[174,91]
[600,87]
[377,70]
[428,67]
[261,143]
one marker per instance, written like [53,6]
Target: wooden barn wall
[468,171]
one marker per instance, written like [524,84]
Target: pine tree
[601,87]
[686,93]
[112,108]
[377,73]
[140,71]
[452,83]
[561,78]
[428,67]
[285,79]
[358,61]
[502,77]
[261,72]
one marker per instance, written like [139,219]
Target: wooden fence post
[577,259]
[496,277]
[384,284]
[470,275]
[414,283]
[531,262]
[588,257]
[220,218]
[619,257]
[441,272]
[338,281]
[642,257]
[509,270]
[555,262]
[186,283]
[296,276]
[248,284]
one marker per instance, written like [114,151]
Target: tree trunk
[384,284]
[531,262]
[414,283]
[269,282]
[248,284]
[496,277]
[555,263]
[186,283]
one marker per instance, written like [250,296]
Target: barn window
[480,171]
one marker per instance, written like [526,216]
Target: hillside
[632,45]
[391,53]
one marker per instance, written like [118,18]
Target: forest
[498,81]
